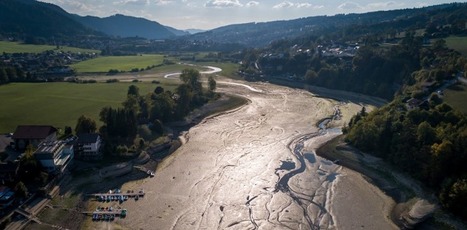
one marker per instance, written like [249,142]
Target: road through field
[255,168]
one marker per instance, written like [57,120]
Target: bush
[121,149]
[112,81]
[145,132]
[112,72]
[157,127]
[155,82]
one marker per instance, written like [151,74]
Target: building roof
[414,102]
[33,131]
[87,138]
[50,147]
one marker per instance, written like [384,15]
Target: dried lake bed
[256,168]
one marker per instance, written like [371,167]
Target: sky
[210,14]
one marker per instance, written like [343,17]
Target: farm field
[15,47]
[457,43]
[455,96]
[120,63]
[60,104]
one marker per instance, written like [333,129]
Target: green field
[121,63]
[60,104]
[15,47]
[458,44]
[456,96]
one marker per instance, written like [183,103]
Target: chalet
[414,103]
[33,135]
[428,85]
[88,146]
[54,156]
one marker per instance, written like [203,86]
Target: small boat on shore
[150,173]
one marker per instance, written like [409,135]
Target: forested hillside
[418,132]
[34,20]
[339,27]
[374,59]
[126,26]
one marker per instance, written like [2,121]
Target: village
[56,156]
[44,65]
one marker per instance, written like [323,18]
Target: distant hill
[194,31]
[31,18]
[127,26]
[177,32]
[263,33]
[37,19]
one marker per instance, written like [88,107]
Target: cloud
[303,5]
[285,4]
[163,2]
[383,5]
[349,6]
[132,2]
[77,7]
[222,3]
[252,4]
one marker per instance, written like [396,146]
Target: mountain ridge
[31,18]
[126,26]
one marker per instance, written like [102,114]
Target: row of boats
[117,195]
[108,215]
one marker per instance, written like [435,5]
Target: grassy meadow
[16,47]
[457,43]
[60,104]
[122,63]
[456,96]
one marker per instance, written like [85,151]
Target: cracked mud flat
[255,168]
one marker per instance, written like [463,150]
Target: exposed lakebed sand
[255,168]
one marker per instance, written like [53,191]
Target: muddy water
[246,169]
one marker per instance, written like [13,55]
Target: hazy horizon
[210,14]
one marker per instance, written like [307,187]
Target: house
[54,156]
[33,135]
[8,171]
[7,197]
[428,85]
[415,103]
[88,146]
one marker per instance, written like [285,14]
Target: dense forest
[428,140]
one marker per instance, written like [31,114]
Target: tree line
[429,141]
[144,116]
